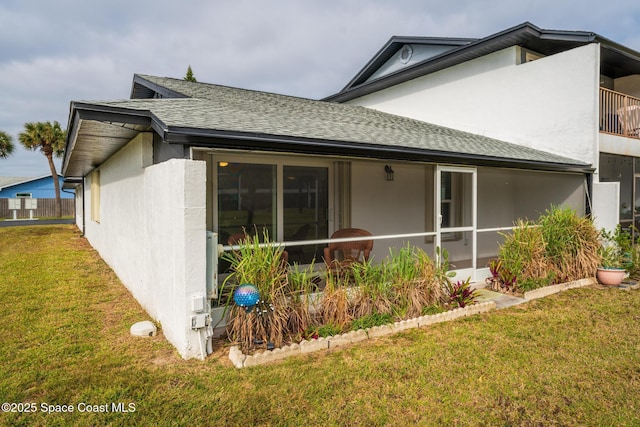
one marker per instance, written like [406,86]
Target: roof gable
[617,60]
[402,52]
[11,181]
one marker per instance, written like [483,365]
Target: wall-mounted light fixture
[223,164]
[388,172]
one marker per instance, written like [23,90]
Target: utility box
[15,204]
[31,204]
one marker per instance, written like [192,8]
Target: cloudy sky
[53,52]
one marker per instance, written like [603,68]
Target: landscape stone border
[241,360]
[554,289]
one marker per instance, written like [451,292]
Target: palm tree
[6,145]
[50,138]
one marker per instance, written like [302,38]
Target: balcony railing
[619,114]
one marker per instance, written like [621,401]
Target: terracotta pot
[611,276]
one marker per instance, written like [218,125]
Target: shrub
[618,250]
[561,246]
[461,294]
[402,286]
[523,255]
[571,243]
[263,267]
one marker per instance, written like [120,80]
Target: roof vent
[406,53]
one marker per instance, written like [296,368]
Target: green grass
[40,218]
[569,359]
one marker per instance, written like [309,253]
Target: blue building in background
[35,187]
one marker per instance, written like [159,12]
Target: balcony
[619,114]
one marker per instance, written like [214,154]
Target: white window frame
[280,162]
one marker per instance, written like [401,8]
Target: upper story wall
[550,103]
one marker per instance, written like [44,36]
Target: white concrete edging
[554,289]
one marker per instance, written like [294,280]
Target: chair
[629,118]
[347,252]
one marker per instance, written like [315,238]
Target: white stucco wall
[119,236]
[175,265]
[615,144]
[152,234]
[550,103]
[388,207]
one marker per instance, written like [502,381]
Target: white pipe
[209,339]
[326,241]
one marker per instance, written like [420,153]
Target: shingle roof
[9,181]
[616,60]
[219,108]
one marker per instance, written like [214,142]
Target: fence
[619,114]
[46,208]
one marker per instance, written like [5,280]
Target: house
[155,173]
[41,192]
[573,93]
[39,187]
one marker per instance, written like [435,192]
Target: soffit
[94,142]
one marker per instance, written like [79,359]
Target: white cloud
[55,52]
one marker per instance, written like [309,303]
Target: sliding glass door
[305,209]
[246,200]
[289,201]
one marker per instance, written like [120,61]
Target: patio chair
[339,256]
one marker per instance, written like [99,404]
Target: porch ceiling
[99,140]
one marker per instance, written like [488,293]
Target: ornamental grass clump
[418,283]
[335,306]
[561,246]
[299,289]
[402,286]
[264,267]
[290,309]
[523,263]
[571,243]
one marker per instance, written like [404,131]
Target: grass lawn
[569,359]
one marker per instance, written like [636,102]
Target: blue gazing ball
[246,295]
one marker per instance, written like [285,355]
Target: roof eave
[279,143]
[392,46]
[140,80]
[461,54]
[82,111]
